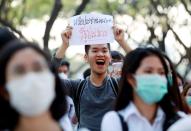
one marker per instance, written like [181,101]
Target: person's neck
[148,111]
[43,122]
[97,79]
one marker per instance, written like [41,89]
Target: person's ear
[86,58]
[131,80]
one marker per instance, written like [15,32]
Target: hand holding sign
[119,34]
[66,35]
[91,29]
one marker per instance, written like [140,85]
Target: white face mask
[63,76]
[33,93]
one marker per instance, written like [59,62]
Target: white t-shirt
[134,120]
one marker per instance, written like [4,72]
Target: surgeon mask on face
[151,88]
[63,75]
[188,100]
[33,93]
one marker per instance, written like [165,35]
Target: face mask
[63,76]
[188,100]
[151,88]
[32,94]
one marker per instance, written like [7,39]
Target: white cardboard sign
[91,29]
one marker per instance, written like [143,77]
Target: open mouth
[100,62]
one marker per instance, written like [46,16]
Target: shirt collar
[131,109]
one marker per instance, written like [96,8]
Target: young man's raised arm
[66,35]
[59,55]
[119,35]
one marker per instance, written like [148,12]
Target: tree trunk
[55,11]
[81,7]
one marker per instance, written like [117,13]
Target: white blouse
[134,120]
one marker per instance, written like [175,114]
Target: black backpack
[80,88]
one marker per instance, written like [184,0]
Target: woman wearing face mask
[145,99]
[187,94]
[31,95]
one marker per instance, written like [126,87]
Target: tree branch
[185,6]
[177,37]
[181,59]
[155,4]
[81,7]
[188,67]
[2,4]
[6,23]
[55,11]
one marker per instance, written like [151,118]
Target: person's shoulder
[111,115]
[181,125]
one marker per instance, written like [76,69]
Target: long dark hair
[132,62]
[176,96]
[8,115]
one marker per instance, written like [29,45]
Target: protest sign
[91,29]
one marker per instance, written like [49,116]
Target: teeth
[100,60]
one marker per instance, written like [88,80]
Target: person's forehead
[64,66]
[27,54]
[151,61]
[98,46]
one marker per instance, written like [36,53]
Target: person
[31,95]
[181,125]
[175,81]
[180,81]
[145,99]
[116,56]
[95,95]
[64,69]
[115,66]
[187,94]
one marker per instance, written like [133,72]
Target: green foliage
[69,7]
[103,6]
[38,8]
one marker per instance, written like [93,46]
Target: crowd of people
[138,91]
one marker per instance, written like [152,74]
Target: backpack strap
[168,122]
[123,123]
[114,85]
[77,97]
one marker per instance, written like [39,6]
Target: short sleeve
[111,122]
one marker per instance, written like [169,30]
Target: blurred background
[165,24]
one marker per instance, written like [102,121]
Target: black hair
[5,36]
[9,116]
[87,47]
[132,62]
[116,56]
[186,87]
[176,96]
[66,63]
